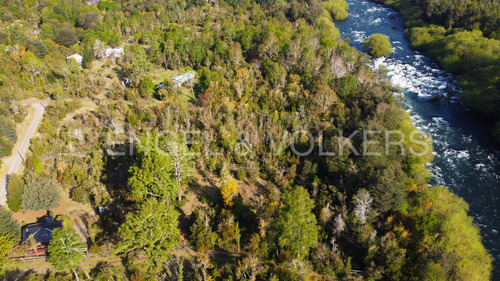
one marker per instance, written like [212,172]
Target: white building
[178,80]
[118,52]
[77,57]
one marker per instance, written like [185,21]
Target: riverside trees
[463,37]
[378,45]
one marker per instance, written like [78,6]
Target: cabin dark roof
[42,230]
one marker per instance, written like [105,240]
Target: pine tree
[40,193]
[182,161]
[153,228]
[8,226]
[152,176]
[295,225]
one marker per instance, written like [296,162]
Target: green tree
[201,230]
[8,226]
[6,245]
[275,73]
[146,87]
[459,250]
[8,136]
[152,176]
[337,9]
[66,37]
[66,250]
[88,20]
[153,228]
[31,64]
[181,158]
[105,271]
[296,226]
[15,188]
[136,62]
[378,45]
[88,56]
[37,47]
[229,232]
[80,194]
[40,193]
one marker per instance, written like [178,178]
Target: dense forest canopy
[270,68]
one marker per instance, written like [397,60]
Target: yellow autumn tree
[229,190]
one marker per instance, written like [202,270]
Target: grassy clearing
[85,105]
[160,75]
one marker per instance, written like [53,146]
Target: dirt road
[15,161]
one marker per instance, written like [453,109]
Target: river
[465,158]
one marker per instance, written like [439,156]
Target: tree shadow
[16,274]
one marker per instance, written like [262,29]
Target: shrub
[66,222]
[80,194]
[378,45]
[241,175]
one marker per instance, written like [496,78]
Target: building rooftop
[180,79]
[117,51]
[42,230]
[77,57]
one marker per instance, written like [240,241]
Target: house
[118,52]
[93,2]
[41,232]
[77,57]
[178,80]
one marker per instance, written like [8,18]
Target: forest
[462,36]
[225,205]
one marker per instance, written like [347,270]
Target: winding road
[14,161]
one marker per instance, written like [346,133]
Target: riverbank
[465,156]
[465,52]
